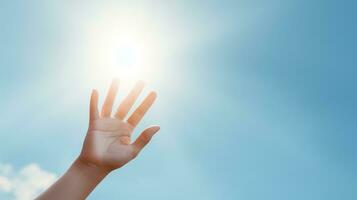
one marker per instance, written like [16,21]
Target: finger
[144,138]
[128,102]
[93,110]
[139,113]
[108,103]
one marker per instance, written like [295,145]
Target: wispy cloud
[25,183]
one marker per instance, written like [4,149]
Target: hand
[108,143]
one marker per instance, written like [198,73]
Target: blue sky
[256,99]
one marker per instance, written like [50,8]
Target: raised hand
[108,142]
[107,145]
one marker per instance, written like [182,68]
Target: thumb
[144,138]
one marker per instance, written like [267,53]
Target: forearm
[76,184]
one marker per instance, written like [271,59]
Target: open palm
[108,142]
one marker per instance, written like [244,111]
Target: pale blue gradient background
[263,108]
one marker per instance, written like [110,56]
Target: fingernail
[153,94]
[155,129]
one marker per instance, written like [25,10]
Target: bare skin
[107,145]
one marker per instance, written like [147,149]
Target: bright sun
[122,47]
[124,54]
[120,54]
[128,54]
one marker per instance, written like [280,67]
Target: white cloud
[26,183]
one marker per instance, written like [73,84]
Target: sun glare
[119,54]
[123,48]
[124,55]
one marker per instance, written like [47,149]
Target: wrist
[90,170]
